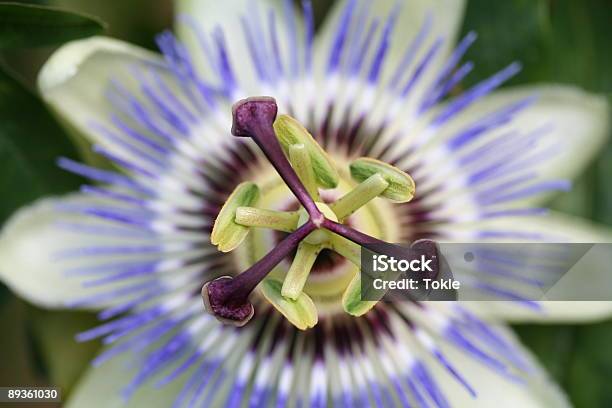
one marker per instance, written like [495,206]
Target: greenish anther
[290,132]
[302,164]
[351,298]
[226,233]
[301,312]
[401,186]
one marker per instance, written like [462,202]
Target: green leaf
[602,189]
[588,378]
[18,366]
[552,344]
[577,356]
[562,41]
[502,39]
[30,142]
[53,334]
[26,25]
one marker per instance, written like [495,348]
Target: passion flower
[371,142]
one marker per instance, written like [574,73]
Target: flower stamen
[286,221]
[304,167]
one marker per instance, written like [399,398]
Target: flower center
[323,221]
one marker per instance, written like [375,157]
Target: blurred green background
[566,41]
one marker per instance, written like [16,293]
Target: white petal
[580,123]
[29,245]
[100,387]
[579,283]
[493,390]
[446,17]
[552,312]
[554,227]
[209,15]
[76,77]
[572,126]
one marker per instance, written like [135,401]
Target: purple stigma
[227,298]
[254,117]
